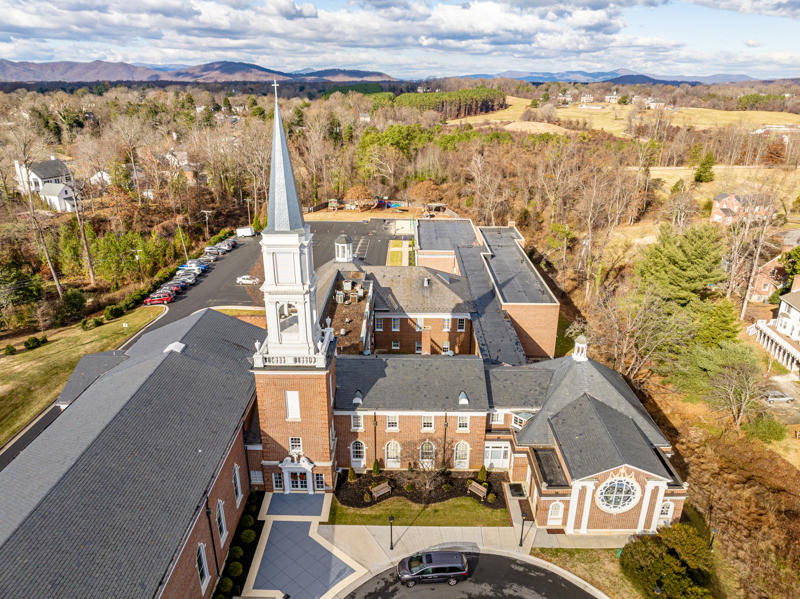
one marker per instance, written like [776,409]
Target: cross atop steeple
[283,211]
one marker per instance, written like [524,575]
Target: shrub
[10,350]
[112,312]
[248,536]
[253,508]
[84,323]
[410,467]
[236,552]
[482,474]
[72,304]
[766,428]
[32,343]
[222,235]
[491,498]
[351,475]
[247,521]
[409,487]
[225,584]
[97,322]
[367,497]
[42,339]
[376,468]
[234,569]
[220,596]
[447,487]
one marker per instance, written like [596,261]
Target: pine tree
[256,223]
[717,323]
[705,170]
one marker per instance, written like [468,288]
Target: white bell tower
[294,336]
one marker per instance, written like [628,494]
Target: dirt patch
[536,127]
[419,487]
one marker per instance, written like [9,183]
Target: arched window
[393,454]
[358,454]
[288,319]
[665,515]
[555,514]
[618,495]
[461,455]
[427,455]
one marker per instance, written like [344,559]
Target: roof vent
[175,346]
[579,353]
[426,282]
[358,397]
[463,400]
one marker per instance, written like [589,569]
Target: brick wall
[536,326]
[461,342]
[410,437]
[184,581]
[598,519]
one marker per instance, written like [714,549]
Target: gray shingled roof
[792,298]
[51,189]
[518,386]
[50,169]
[98,504]
[402,289]
[571,379]
[594,437]
[410,382]
[283,211]
[89,368]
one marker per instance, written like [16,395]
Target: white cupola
[343,249]
[579,352]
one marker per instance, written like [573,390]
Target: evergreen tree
[226,104]
[256,223]
[705,170]
[717,323]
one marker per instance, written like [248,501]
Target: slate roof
[410,382]
[571,379]
[518,386]
[89,368]
[98,504]
[594,437]
[283,211]
[50,169]
[402,289]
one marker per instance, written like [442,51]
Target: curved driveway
[490,576]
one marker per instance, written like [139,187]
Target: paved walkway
[291,558]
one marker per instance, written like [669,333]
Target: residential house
[52,173]
[587,98]
[656,104]
[729,208]
[612,99]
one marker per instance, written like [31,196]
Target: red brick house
[730,208]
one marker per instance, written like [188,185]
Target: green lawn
[396,243]
[395,258]
[32,379]
[242,312]
[598,567]
[461,511]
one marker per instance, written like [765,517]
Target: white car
[775,396]
[247,280]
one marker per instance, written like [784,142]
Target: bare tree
[736,389]
[127,131]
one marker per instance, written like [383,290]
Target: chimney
[579,352]
[426,341]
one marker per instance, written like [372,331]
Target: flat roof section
[370,239]
[516,278]
[445,235]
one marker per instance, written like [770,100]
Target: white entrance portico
[296,470]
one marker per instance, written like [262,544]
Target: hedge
[222,235]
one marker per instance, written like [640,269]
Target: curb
[566,574]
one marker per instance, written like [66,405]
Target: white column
[648,491]
[587,505]
[662,487]
[573,507]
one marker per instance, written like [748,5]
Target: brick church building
[133,490]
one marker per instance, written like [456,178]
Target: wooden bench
[478,489]
[381,490]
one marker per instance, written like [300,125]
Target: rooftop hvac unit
[339,296]
[347,285]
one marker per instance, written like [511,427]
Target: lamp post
[714,532]
[391,536]
[522,529]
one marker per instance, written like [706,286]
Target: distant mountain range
[621,76]
[98,70]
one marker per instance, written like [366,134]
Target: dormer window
[519,420]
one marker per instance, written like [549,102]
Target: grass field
[461,511]
[599,567]
[516,106]
[243,312]
[32,379]
[395,258]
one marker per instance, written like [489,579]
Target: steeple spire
[283,211]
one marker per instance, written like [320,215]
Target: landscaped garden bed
[242,550]
[420,487]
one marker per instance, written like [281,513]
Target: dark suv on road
[433,566]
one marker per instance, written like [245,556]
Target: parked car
[159,298]
[227,243]
[207,258]
[195,269]
[776,396]
[183,284]
[188,277]
[247,280]
[212,249]
[197,263]
[433,566]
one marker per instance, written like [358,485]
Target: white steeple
[294,336]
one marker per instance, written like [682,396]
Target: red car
[161,298]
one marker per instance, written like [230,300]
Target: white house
[59,197]
[612,99]
[47,179]
[780,336]
[100,178]
[587,98]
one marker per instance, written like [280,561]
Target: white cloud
[778,8]
[752,43]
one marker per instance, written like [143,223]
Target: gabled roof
[403,289]
[793,299]
[594,437]
[50,169]
[52,189]
[98,504]
[571,379]
[283,212]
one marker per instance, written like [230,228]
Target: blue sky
[416,38]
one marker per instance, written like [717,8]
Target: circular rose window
[617,495]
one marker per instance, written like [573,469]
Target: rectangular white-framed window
[427,423]
[256,477]
[420,323]
[395,345]
[292,405]
[446,325]
[497,418]
[392,422]
[356,422]
[461,325]
[463,424]
[237,485]
[319,481]
[277,481]
[418,347]
[295,445]
[395,324]
[518,421]
[202,567]
[222,526]
[445,346]
[379,324]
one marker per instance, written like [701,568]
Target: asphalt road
[490,576]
